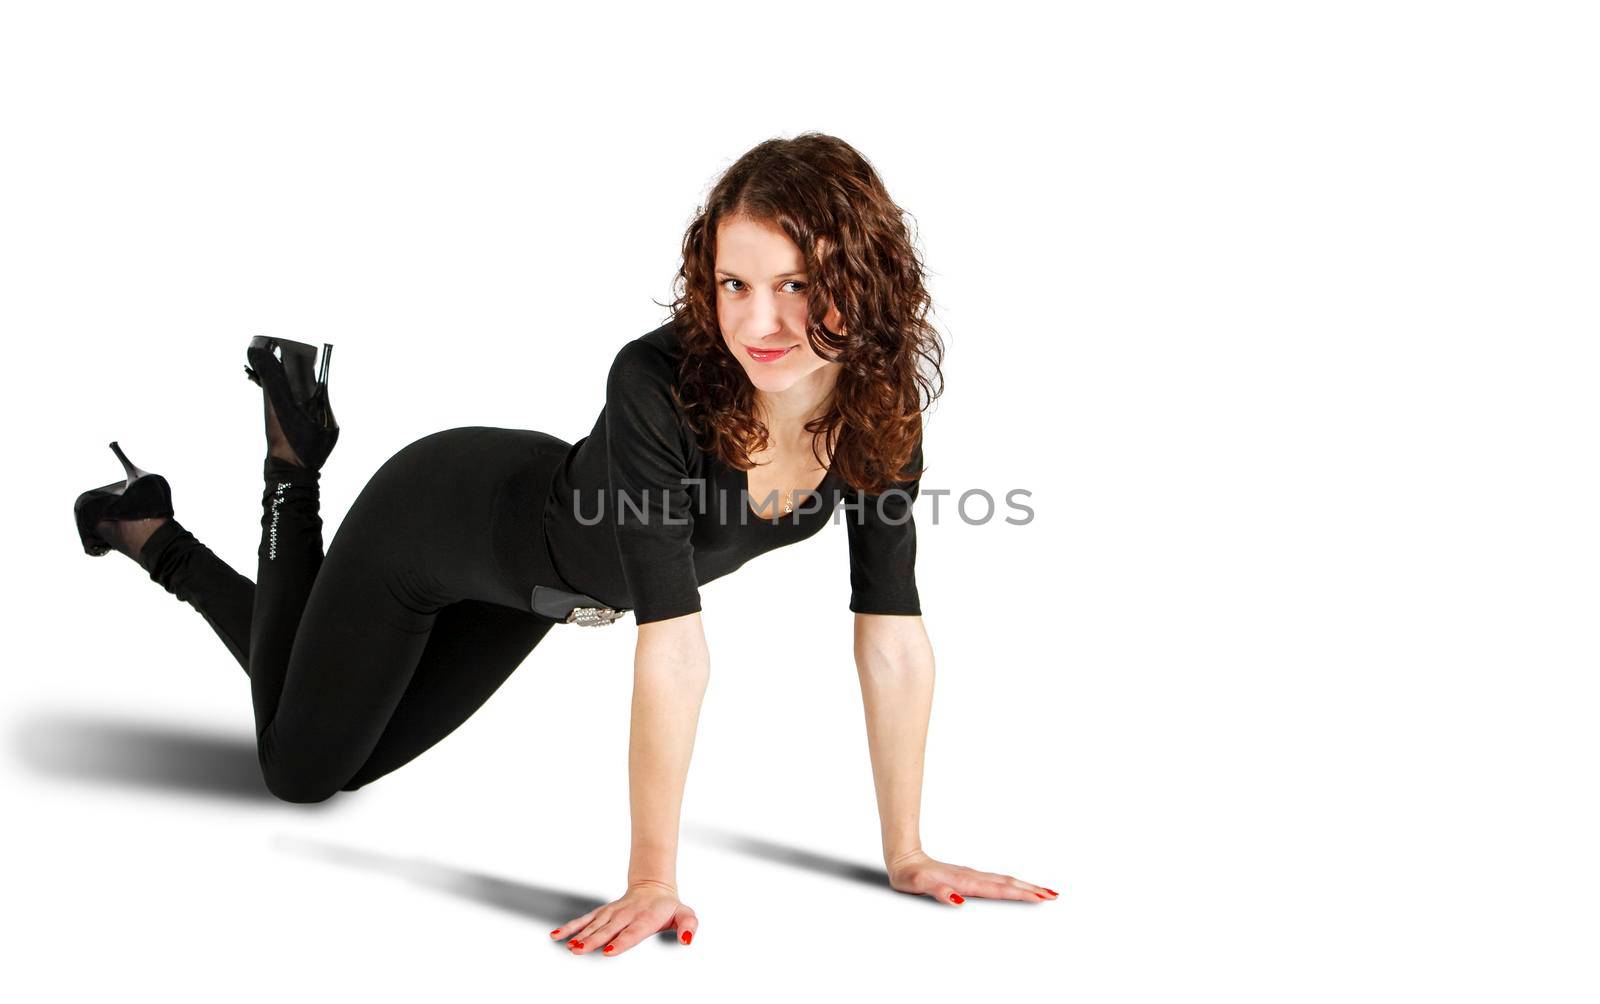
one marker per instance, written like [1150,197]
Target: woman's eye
[795,282]
[725,285]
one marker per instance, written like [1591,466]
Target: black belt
[573,608]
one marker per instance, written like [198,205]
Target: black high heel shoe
[141,496]
[297,385]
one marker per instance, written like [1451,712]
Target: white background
[1285,315]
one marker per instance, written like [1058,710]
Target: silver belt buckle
[572,608]
[592,616]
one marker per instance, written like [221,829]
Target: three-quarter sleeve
[883,548]
[648,448]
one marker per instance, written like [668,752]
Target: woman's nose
[763,315]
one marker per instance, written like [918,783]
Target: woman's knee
[299,785]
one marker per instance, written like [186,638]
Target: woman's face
[762,304]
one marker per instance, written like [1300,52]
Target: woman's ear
[833,320]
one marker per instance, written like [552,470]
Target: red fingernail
[1051,891]
[955,897]
[610,947]
[576,944]
[1041,895]
[555,932]
[688,936]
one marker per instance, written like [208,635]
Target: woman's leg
[349,677]
[473,647]
[287,562]
[335,640]
[192,572]
[396,629]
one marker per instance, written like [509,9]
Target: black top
[665,516]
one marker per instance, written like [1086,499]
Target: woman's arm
[671,665]
[670,668]
[895,661]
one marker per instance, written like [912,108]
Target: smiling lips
[768,355]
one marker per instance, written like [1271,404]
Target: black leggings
[360,660]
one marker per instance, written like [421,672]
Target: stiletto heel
[133,473]
[141,495]
[296,382]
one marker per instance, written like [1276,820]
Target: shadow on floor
[787,854]
[172,758]
[811,861]
[548,906]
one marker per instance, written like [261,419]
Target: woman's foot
[294,374]
[277,443]
[128,535]
[123,514]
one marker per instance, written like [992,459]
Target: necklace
[788,502]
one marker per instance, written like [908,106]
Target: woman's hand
[647,907]
[917,873]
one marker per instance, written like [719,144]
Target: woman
[790,372]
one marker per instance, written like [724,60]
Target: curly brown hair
[860,257]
